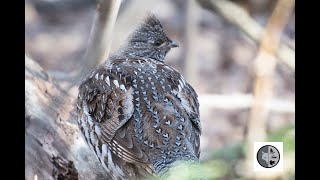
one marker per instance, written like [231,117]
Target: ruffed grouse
[137,113]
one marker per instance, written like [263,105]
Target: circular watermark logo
[268,156]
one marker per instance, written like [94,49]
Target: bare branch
[191,66]
[240,18]
[242,101]
[101,34]
[263,85]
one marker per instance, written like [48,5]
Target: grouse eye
[158,42]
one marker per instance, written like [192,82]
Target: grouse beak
[173,44]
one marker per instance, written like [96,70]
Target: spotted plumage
[137,113]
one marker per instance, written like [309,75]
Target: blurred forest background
[245,78]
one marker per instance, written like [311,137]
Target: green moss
[285,135]
[215,169]
[229,152]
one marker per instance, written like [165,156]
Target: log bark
[54,148]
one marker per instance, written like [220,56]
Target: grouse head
[149,41]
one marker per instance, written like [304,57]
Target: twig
[240,18]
